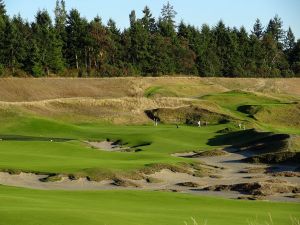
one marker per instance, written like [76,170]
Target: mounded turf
[27,130]
[27,153]
[27,207]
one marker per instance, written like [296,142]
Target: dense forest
[73,46]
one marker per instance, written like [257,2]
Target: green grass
[27,207]
[36,154]
[269,113]
[26,146]
[41,155]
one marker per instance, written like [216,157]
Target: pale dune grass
[269,221]
[34,89]
[125,110]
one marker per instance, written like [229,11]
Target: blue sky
[232,12]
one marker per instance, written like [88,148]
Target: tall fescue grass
[125,110]
[30,89]
[269,221]
[193,221]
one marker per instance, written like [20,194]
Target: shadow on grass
[31,138]
[258,147]
[253,140]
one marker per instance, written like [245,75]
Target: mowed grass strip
[133,208]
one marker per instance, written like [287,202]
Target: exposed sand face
[30,180]
[107,146]
[229,170]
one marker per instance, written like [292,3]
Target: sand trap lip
[168,181]
[228,172]
[107,146]
[32,181]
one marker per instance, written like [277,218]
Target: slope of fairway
[24,151]
[26,207]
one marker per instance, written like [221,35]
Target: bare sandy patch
[107,146]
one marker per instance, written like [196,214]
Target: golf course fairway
[27,207]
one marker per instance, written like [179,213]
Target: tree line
[73,46]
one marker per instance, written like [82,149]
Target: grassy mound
[278,157]
[18,90]
[258,188]
[236,98]
[187,115]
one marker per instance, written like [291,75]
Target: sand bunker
[107,146]
[230,176]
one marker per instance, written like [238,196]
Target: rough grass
[280,115]
[117,111]
[26,89]
[188,115]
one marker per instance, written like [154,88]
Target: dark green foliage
[148,47]
[275,28]
[295,58]
[48,48]
[166,22]
[258,29]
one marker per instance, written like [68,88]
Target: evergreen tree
[242,53]
[117,49]
[60,24]
[275,29]
[16,43]
[295,58]
[60,18]
[224,48]
[208,61]
[167,21]
[139,44]
[100,44]
[289,41]
[48,45]
[76,39]
[258,29]
[148,20]
[3,22]
[132,18]
[146,47]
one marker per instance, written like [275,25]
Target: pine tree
[100,43]
[258,29]
[289,41]
[50,47]
[117,49]
[3,22]
[132,18]
[208,62]
[148,20]
[166,23]
[60,24]
[243,53]
[275,29]
[60,17]
[76,39]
